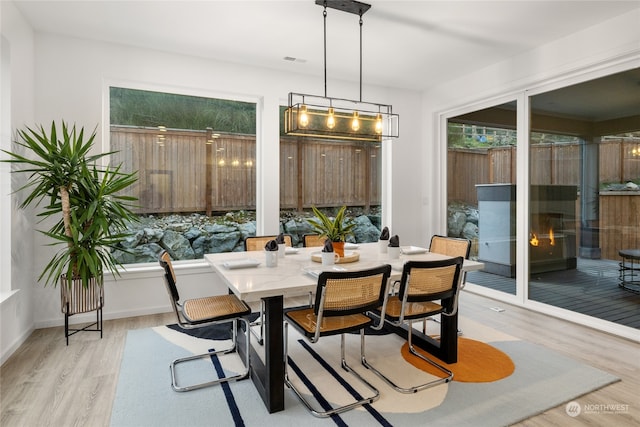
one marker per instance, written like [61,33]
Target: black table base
[268,376]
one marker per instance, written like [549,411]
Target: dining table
[247,276]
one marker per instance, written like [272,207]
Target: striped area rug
[498,381]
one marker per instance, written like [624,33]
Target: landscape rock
[177,245]
[456,222]
[193,235]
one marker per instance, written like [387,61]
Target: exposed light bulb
[303,118]
[331,119]
[355,122]
[378,123]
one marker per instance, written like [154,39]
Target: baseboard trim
[91,316]
[8,352]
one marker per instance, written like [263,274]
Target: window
[329,174]
[195,158]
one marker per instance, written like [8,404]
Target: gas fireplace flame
[534,240]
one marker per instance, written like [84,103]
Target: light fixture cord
[324,15]
[360,55]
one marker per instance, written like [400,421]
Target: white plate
[241,263]
[290,251]
[315,272]
[351,246]
[411,250]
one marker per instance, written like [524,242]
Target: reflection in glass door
[584,206]
[481,204]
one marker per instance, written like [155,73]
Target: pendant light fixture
[339,118]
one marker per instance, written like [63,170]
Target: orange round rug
[478,362]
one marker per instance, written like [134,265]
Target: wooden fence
[191,171]
[619,222]
[551,164]
[196,171]
[559,164]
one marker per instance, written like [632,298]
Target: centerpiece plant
[336,230]
[68,185]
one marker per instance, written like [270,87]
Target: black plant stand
[98,324]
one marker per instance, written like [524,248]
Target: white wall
[16,235]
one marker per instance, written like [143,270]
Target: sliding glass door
[567,239]
[584,198]
[481,203]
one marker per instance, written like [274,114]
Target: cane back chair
[200,312]
[256,243]
[342,300]
[422,283]
[451,246]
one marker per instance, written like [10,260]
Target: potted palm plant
[336,230]
[66,182]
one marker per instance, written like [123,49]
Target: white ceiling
[406,44]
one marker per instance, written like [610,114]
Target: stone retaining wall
[192,236]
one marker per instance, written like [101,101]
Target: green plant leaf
[97,218]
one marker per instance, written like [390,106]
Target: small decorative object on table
[383,242]
[329,257]
[336,230]
[271,253]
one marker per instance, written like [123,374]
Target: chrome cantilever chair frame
[329,315]
[400,310]
[206,311]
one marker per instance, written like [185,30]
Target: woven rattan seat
[422,283]
[201,312]
[412,309]
[342,299]
[221,307]
[307,320]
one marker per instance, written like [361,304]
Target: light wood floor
[46,383]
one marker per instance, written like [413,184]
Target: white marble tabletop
[290,277]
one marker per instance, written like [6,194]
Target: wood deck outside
[591,289]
